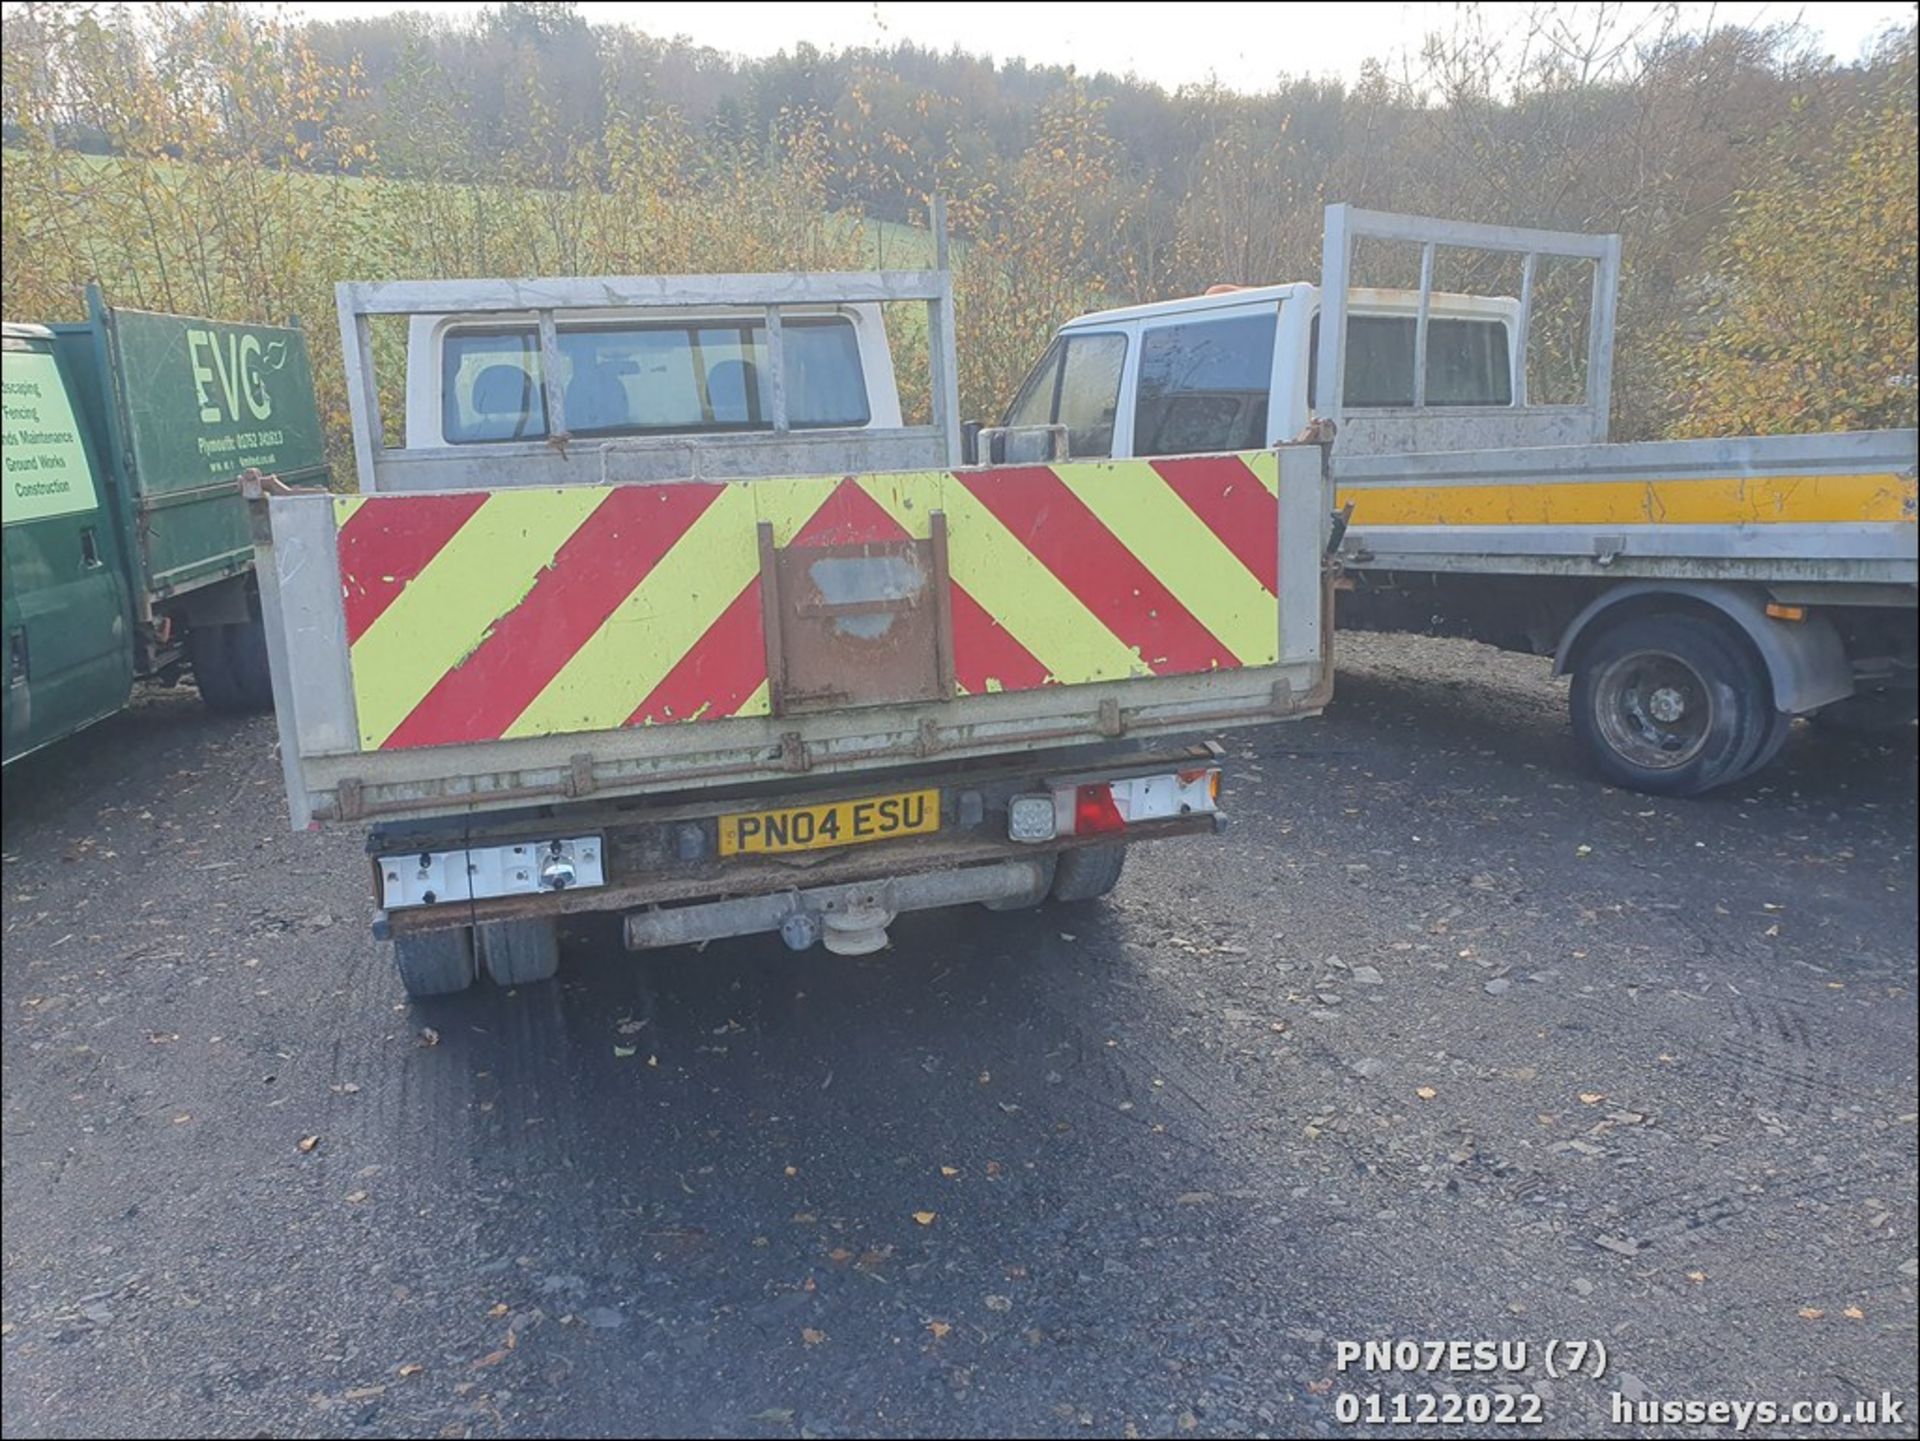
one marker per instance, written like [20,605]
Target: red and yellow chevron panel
[491,615]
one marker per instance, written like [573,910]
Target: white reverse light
[1030,818]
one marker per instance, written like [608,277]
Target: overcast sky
[1243,46]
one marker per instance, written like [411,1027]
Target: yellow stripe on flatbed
[1729,500]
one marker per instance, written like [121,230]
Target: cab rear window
[1466,362]
[650,379]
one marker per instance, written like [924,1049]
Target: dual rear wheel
[445,962]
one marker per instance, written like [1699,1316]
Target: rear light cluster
[1103,807]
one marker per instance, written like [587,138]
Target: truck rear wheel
[230,667]
[435,963]
[1671,704]
[1772,739]
[1088,872]
[518,953]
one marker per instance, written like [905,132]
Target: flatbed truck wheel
[1672,704]
[1088,872]
[435,963]
[518,953]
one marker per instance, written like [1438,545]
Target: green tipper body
[124,524]
[196,402]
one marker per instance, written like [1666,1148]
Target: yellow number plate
[836,823]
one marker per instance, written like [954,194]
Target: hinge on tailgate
[1110,723]
[1283,697]
[793,751]
[349,798]
[927,742]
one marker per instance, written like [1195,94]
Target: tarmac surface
[1442,1040]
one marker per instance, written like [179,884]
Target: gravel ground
[1443,1040]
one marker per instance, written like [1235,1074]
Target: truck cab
[1236,368]
[70,652]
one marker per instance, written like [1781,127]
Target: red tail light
[1094,810]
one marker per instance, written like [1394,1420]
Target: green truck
[128,553]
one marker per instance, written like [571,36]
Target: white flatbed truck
[1700,593]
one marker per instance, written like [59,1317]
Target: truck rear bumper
[662,866]
[850,918]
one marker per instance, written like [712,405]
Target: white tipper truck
[657,606]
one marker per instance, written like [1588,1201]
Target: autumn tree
[1806,313]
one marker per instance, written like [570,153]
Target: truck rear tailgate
[435,652]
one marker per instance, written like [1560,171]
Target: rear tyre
[247,658]
[1088,872]
[518,953]
[1671,704]
[230,667]
[1779,725]
[213,670]
[435,963]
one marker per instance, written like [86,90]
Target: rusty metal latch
[864,623]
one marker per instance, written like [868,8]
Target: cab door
[69,644]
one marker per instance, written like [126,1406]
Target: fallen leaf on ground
[429,1036]
[811,1336]
[949,1171]
[1426,1093]
[926,1218]
[1592,1098]
[624,1051]
[1854,1313]
[498,1308]
[412,1368]
[1811,1313]
[939,1329]
[492,1358]
[307,1143]
[354,1198]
